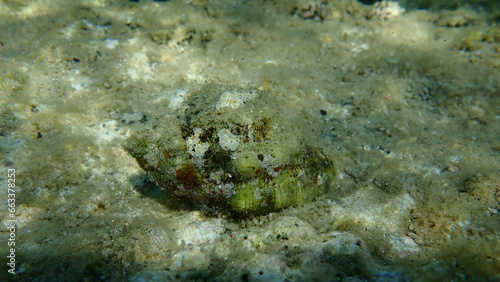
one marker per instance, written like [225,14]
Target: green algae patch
[232,151]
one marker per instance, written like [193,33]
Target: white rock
[198,233]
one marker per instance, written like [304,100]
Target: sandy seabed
[406,102]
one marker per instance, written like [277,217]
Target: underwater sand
[407,103]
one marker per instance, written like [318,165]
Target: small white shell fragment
[227,140]
[234,99]
[195,147]
[385,10]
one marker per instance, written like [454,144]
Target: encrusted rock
[232,151]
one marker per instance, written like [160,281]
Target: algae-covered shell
[232,151]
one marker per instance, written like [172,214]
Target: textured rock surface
[232,151]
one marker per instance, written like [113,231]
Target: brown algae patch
[232,151]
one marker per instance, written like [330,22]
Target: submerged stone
[232,151]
